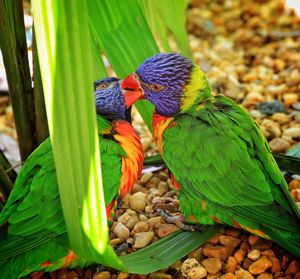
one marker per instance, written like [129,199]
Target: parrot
[219,159]
[33,234]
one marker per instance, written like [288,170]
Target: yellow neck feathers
[193,91]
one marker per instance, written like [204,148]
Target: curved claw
[177,220]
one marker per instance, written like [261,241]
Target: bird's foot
[99,268]
[122,249]
[177,220]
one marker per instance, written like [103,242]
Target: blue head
[162,79]
[109,98]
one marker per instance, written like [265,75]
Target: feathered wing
[226,172]
[32,227]
[32,224]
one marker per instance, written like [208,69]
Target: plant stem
[41,125]
[14,50]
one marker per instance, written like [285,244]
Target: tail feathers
[287,240]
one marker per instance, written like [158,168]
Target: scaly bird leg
[178,220]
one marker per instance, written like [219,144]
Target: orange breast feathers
[132,164]
[159,124]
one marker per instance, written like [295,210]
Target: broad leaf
[65,55]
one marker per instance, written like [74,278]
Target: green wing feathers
[33,234]
[226,171]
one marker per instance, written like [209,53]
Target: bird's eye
[156,87]
[102,85]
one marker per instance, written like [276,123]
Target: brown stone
[295,193]
[197,272]
[245,246]
[260,266]
[101,275]
[88,273]
[294,184]
[146,177]
[196,254]
[293,268]
[276,267]
[285,260]
[278,274]
[228,275]
[159,275]
[212,265]
[138,188]
[243,274]
[162,187]
[214,239]
[229,240]
[166,229]
[163,176]
[261,244]
[246,263]
[218,251]
[268,254]
[279,145]
[231,265]
[213,276]
[140,227]
[138,201]
[142,239]
[187,265]
[254,255]
[123,275]
[153,181]
[72,275]
[265,275]
[62,273]
[155,222]
[232,232]
[240,255]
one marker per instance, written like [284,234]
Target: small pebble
[197,272]
[290,98]
[281,117]
[229,240]
[260,266]
[212,265]
[228,275]
[159,275]
[142,239]
[102,275]
[140,227]
[231,264]
[187,265]
[265,275]
[123,275]
[138,201]
[254,255]
[121,231]
[166,229]
[279,145]
[294,132]
[243,274]
[146,177]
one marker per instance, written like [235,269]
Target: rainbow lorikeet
[33,234]
[220,161]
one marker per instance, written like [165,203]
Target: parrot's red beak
[132,90]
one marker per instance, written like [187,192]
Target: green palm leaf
[65,55]
[121,31]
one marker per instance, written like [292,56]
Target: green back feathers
[32,227]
